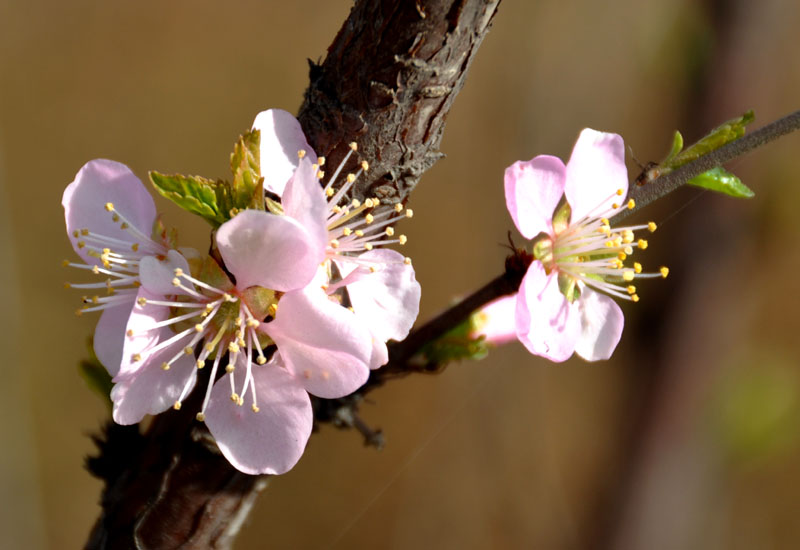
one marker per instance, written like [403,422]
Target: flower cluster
[564,304]
[296,299]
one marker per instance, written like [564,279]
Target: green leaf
[206,198]
[247,188]
[719,136]
[677,147]
[720,180]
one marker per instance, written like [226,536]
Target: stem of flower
[668,183]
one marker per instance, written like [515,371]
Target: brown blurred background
[687,438]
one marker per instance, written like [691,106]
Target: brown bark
[388,82]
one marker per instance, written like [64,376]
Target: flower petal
[281,139]
[595,172]
[139,334]
[498,323]
[109,335]
[151,389]
[601,325]
[322,343]
[533,189]
[270,441]
[268,250]
[99,182]
[156,275]
[304,201]
[547,324]
[387,300]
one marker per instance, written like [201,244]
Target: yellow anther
[651,226]
[255,408]
[261,359]
[402,239]
[273,309]
[81,244]
[188,350]
[67,285]
[359,233]
[229,368]
[635,298]
[409,213]
[628,250]
[627,236]
[367,246]
[321,161]
[141,301]
[235,398]
[355,203]
[615,205]
[407,260]
[228,298]
[364,165]
[209,307]
[110,206]
[664,272]
[329,192]
[198,327]
[627,275]
[164,366]
[79,312]
[622,256]
[637,267]
[368,203]
[123,225]
[619,192]
[301,154]
[176,282]
[372,269]
[200,417]
[233,347]
[335,243]
[642,244]
[177,405]
[353,146]
[631,204]
[76,234]
[389,231]
[398,207]
[135,247]
[136,357]
[351,178]
[253,323]
[631,289]
[346,231]
[200,363]
[605,221]
[129,332]
[178,272]
[369,218]
[320,174]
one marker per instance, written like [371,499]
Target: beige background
[509,452]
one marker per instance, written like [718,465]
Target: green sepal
[95,375]
[720,180]
[247,188]
[458,343]
[207,198]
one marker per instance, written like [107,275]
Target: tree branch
[388,82]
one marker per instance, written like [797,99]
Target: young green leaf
[206,198]
[719,136]
[720,180]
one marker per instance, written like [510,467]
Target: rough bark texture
[388,82]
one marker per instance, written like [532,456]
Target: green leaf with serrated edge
[206,198]
[247,188]
[95,375]
[720,180]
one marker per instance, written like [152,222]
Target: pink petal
[601,325]
[547,324]
[281,139]
[270,441]
[498,323]
[109,335]
[595,171]
[139,334]
[380,354]
[321,342]
[151,389]
[533,189]
[387,300]
[304,201]
[268,250]
[157,275]
[99,182]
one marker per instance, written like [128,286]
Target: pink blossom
[564,305]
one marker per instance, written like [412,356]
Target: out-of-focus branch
[388,82]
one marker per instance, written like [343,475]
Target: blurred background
[687,438]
